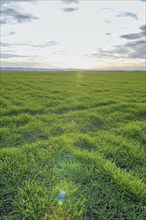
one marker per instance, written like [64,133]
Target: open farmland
[73,146]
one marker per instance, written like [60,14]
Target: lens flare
[61,197]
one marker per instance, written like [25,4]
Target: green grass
[83,133]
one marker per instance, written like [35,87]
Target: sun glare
[61,197]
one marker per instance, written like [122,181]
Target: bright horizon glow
[83,35]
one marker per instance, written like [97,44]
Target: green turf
[83,133]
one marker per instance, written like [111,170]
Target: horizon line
[64,69]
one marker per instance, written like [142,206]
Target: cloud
[2,22]
[128,14]
[107,21]
[105,8]
[60,53]
[70,9]
[47,44]
[132,36]
[5,44]
[9,1]
[8,55]
[135,36]
[134,50]
[12,15]
[8,33]
[11,55]
[70,1]
[11,33]
[108,33]
[143,28]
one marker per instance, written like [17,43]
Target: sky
[76,34]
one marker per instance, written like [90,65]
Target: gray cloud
[70,1]
[47,44]
[12,55]
[9,1]
[5,44]
[8,33]
[136,43]
[132,36]
[10,14]
[143,28]
[8,55]
[11,33]
[135,36]
[134,49]
[108,33]
[107,21]
[128,14]
[69,9]
[2,21]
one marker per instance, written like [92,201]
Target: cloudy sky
[86,34]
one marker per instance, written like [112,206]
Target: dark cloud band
[69,9]
[10,14]
[134,49]
[135,36]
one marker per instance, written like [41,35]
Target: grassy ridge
[80,132]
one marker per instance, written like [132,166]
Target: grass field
[73,146]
